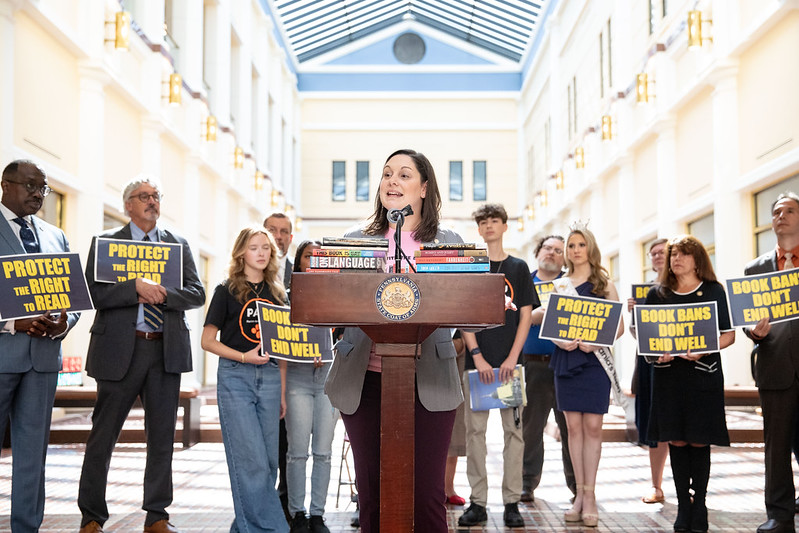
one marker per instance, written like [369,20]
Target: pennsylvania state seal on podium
[397,298]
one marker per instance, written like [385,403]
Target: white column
[151,146]
[187,30]
[629,260]
[190,231]
[7,10]
[666,177]
[91,147]
[149,16]
[87,204]
[733,215]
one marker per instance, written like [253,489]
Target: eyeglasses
[145,197]
[31,187]
[556,251]
[657,254]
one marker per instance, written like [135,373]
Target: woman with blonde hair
[582,386]
[250,384]
[688,388]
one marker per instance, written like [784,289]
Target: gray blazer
[21,352]
[113,333]
[778,353]
[437,380]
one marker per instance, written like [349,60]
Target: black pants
[160,394]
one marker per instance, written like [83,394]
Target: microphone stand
[399,253]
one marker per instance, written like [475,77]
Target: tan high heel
[573,515]
[590,519]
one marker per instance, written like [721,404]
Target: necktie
[788,260]
[27,237]
[153,315]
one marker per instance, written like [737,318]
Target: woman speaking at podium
[354,385]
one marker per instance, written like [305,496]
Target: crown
[579,225]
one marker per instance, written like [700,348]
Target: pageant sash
[603,353]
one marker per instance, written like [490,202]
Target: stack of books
[454,258]
[350,254]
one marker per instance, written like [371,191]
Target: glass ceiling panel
[505,27]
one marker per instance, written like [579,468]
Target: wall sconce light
[175,88]
[579,157]
[544,201]
[560,182]
[275,197]
[695,30]
[259,180]
[211,127]
[642,95]
[121,24]
[238,157]
[520,222]
[289,210]
[529,211]
[607,128]
[298,224]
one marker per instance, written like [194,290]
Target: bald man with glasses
[30,348]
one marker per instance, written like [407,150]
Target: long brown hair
[686,245]
[599,276]
[237,281]
[431,204]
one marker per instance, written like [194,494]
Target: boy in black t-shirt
[500,348]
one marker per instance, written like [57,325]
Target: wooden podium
[355,300]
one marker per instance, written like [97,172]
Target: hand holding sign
[255,356]
[150,292]
[578,318]
[762,328]
[46,325]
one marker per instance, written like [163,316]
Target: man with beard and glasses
[540,382]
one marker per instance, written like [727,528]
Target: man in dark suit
[279,225]
[777,372]
[139,347]
[30,348]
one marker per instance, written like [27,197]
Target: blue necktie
[153,315]
[27,237]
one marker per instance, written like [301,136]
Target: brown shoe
[91,527]
[162,526]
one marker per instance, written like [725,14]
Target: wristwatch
[475,351]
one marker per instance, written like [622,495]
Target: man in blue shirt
[541,381]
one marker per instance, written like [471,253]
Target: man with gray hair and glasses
[139,347]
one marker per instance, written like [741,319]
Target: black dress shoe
[475,515]
[527,496]
[511,516]
[775,526]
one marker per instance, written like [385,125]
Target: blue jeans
[308,412]
[249,413]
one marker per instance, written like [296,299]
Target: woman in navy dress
[688,388]
[582,388]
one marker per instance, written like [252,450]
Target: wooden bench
[85,397]
[740,395]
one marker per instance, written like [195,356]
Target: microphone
[394,215]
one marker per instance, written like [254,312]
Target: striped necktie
[788,260]
[27,237]
[153,315]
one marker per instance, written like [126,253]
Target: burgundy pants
[433,431]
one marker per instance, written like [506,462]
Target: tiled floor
[203,503]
